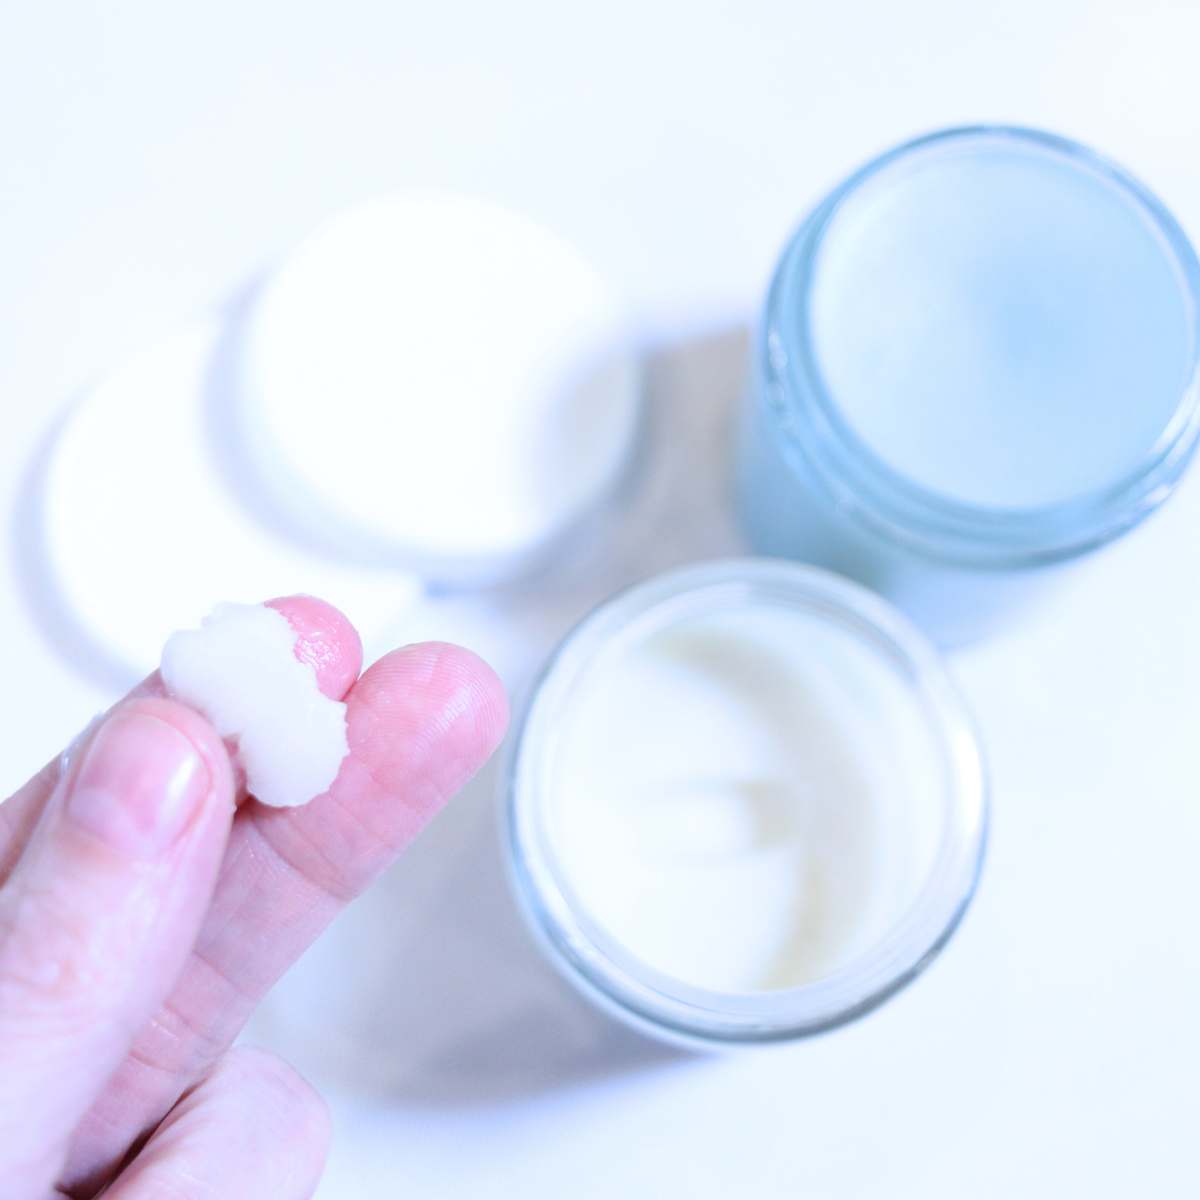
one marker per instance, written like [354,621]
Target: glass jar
[977,363]
[950,797]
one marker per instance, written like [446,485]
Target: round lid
[432,381]
[142,532]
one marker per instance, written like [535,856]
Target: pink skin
[133,945]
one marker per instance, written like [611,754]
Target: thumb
[98,916]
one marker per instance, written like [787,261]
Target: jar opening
[653,962]
[985,344]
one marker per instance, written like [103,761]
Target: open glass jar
[977,363]
[745,804]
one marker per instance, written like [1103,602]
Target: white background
[152,156]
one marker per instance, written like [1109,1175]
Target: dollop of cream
[240,670]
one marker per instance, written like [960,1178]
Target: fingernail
[139,785]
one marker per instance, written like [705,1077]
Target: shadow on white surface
[46,599]
[429,990]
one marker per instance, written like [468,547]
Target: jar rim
[665,1006]
[877,495]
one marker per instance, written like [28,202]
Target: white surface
[241,671]
[155,156]
[779,820]
[431,380]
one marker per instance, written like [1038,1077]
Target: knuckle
[57,962]
[43,952]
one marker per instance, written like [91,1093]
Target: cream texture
[745,800]
[240,670]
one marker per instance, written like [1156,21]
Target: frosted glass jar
[745,804]
[977,363]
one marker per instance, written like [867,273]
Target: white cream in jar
[746,803]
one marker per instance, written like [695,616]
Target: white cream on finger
[240,670]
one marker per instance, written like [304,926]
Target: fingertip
[447,688]
[490,703]
[325,639]
[421,721]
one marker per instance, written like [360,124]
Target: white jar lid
[142,532]
[434,382]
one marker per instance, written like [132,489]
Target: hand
[143,916]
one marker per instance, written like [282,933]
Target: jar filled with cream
[977,363]
[745,804]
